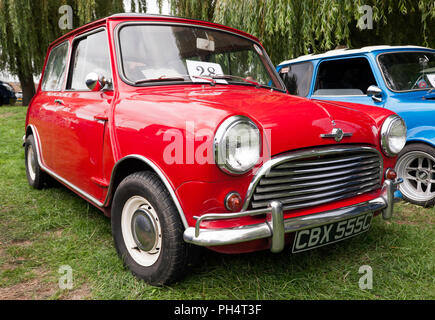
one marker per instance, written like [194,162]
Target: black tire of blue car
[417,187]
[147,230]
[35,176]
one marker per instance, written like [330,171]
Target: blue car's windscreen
[408,71]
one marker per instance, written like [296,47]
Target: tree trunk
[28,88]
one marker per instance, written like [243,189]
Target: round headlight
[393,135]
[237,145]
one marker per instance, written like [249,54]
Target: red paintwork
[84,151]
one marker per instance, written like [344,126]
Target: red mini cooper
[182,132]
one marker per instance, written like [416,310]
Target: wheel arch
[29,131]
[427,142]
[135,163]
[420,134]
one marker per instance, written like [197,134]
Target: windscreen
[192,54]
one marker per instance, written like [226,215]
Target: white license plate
[329,233]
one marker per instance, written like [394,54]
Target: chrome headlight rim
[385,131]
[225,127]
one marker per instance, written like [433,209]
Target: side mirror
[95,82]
[375,93]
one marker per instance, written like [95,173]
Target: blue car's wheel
[416,165]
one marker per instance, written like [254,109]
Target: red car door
[82,117]
[47,101]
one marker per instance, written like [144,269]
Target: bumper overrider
[275,226]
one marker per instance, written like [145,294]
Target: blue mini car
[401,79]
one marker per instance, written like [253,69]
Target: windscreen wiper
[231,77]
[159,79]
[178,78]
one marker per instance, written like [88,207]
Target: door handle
[59,102]
[101,117]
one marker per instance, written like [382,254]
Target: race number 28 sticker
[203,69]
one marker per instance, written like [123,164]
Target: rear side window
[344,77]
[54,74]
[90,54]
[297,78]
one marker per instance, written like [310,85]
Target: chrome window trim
[66,66]
[168,23]
[399,51]
[340,58]
[110,189]
[73,42]
[294,155]
[298,63]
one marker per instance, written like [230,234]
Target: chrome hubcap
[144,230]
[417,169]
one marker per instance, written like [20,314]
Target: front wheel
[147,230]
[416,165]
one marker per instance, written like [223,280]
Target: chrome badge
[336,134]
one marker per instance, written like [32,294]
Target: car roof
[150,17]
[345,52]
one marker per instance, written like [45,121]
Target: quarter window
[90,54]
[344,77]
[54,74]
[297,78]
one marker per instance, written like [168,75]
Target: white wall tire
[143,255]
[157,252]
[35,176]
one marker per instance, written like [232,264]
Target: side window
[54,74]
[297,78]
[344,77]
[90,54]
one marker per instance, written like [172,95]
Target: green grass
[43,230]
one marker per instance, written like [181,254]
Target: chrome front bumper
[275,226]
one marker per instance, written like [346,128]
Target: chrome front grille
[317,176]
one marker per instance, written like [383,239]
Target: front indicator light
[233,201]
[390,174]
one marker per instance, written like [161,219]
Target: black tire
[35,176]
[409,187]
[174,253]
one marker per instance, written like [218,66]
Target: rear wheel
[35,176]
[416,165]
[147,230]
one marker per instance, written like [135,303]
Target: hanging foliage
[202,9]
[27,27]
[139,6]
[290,28]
